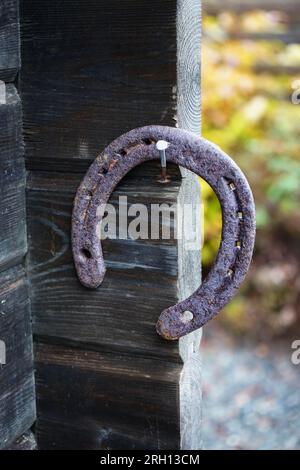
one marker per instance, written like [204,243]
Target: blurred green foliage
[248,112]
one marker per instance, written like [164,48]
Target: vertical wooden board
[189,266]
[116,401]
[189,278]
[17,394]
[12,182]
[93,70]
[9,40]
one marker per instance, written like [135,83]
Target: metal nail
[161,146]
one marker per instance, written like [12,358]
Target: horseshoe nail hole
[123,152]
[240,215]
[148,141]
[238,244]
[88,194]
[229,273]
[86,253]
[104,171]
[187,316]
[232,186]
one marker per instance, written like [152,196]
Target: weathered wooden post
[91,71]
[17,401]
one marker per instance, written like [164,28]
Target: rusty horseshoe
[206,160]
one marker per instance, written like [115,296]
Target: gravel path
[251,395]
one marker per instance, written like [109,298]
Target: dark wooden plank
[140,282]
[115,402]
[107,335]
[93,70]
[12,181]
[9,40]
[116,321]
[17,395]
[189,278]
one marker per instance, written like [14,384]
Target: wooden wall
[17,400]
[91,71]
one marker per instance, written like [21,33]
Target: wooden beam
[104,340]
[85,85]
[91,71]
[116,401]
[25,442]
[140,282]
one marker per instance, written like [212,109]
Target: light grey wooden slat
[189,260]
[117,401]
[189,65]
[17,393]
[103,339]
[12,181]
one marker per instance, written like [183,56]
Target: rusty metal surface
[206,160]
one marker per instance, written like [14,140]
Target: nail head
[162,145]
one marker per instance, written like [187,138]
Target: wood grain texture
[189,265]
[105,339]
[140,282]
[189,65]
[115,402]
[17,394]
[9,40]
[93,70]
[12,182]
